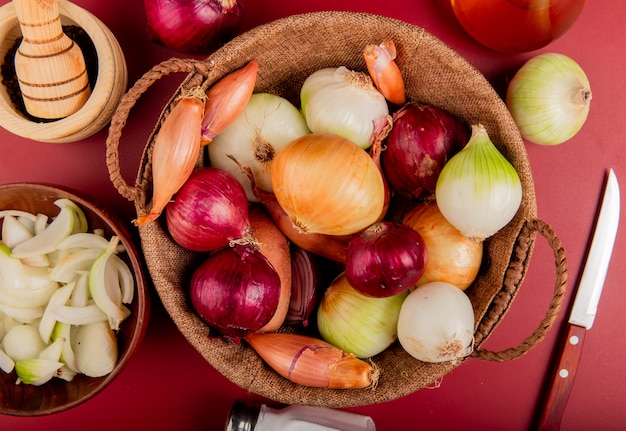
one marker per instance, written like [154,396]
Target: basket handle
[118,120]
[513,277]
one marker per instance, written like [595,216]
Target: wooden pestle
[49,66]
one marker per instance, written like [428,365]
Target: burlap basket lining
[287,51]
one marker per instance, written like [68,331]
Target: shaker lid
[242,417]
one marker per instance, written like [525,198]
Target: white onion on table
[549,98]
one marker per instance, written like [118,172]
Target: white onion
[478,191]
[267,124]
[342,102]
[549,99]
[355,323]
[436,323]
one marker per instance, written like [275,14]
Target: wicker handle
[512,280]
[118,120]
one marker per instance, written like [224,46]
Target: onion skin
[312,362]
[333,247]
[452,257]
[274,246]
[193,26]
[422,140]
[236,291]
[328,184]
[209,211]
[385,259]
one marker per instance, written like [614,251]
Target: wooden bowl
[58,395]
[111,81]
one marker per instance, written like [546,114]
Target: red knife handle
[562,379]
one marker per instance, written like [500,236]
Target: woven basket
[288,50]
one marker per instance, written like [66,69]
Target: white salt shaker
[295,418]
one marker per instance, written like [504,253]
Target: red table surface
[167,385]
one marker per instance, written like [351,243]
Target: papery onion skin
[355,323]
[193,26]
[342,102]
[332,247]
[549,99]
[385,259]
[452,257]
[327,184]
[209,211]
[236,291]
[266,125]
[436,323]
[479,191]
[422,140]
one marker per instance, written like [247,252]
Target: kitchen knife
[585,307]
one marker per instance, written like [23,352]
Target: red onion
[422,140]
[193,26]
[235,291]
[385,259]
[209,211]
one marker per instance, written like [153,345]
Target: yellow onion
[327,184]
[452,257]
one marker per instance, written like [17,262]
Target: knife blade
[584,310]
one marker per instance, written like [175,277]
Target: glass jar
[517,25]
[295,418]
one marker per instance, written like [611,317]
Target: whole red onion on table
[193,26]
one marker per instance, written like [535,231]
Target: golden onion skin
[328,184]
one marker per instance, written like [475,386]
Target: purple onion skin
[236,291]
[385,259]
[193,26]
[422,140]
[209,211]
